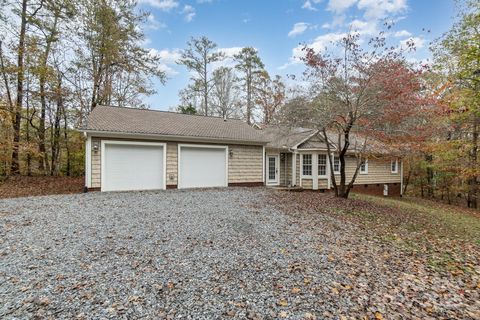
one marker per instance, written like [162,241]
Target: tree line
[245,90]
[59,59]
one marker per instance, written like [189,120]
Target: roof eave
[150,136]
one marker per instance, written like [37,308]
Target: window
[336,164]
[394,166]
[307,165]
[364,167]
[322,164]
[272,168]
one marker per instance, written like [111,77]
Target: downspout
[401,178]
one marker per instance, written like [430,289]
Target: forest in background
[60,59]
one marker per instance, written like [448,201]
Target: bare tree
[198,57]
[270,96]
[225,95]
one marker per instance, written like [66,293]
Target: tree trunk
[205,85]
[473,181]
[15,167]
[249,96]
[407,180]
[56,131]
[43,163]
[27,133]
[67,146]
[430,186]
[330,161]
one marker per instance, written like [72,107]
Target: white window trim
[322,176]
[366,168]
[277,167]
[301,166]
[263,165]
[208,146]
[339,165]
[294,169]
[88,162]
[136,143]
[396,167]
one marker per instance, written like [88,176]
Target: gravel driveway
[203,254]
[195,254]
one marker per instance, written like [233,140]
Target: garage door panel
[133,167]
[202,167]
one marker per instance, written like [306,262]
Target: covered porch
[301,168]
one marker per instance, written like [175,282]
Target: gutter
[132,135]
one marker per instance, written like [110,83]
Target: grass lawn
[447,236]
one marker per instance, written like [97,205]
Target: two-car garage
[131,165]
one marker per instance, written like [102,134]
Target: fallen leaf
[282,303]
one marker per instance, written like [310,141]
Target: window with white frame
[307,164]
[364,167]
[394,166]
[336,164]
[322,164]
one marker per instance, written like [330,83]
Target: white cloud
[228,60]
[338,20]
[377,9]
[417,43]
[340,5]
[231,51]
[308,4]
[364,27]
[189,12]
[298,28]
[168,58]
[204,1]
[320,44]
[402,33]
[164,5]
[153,23]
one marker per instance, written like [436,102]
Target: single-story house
[298,157]
[140,149]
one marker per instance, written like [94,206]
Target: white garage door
[137,166]
[202,167]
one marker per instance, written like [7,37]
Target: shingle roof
[281,137]
[152,122]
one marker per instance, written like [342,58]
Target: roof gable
[314,142]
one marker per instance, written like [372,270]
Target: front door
[272,169]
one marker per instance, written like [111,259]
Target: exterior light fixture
[95,146]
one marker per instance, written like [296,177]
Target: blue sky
[276,27]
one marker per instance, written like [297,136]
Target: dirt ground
[23,186]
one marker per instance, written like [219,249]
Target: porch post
[294,168]
[88,161]
[315,171]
